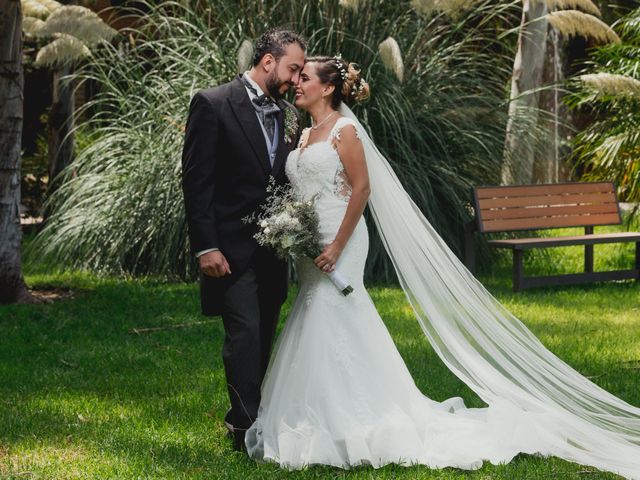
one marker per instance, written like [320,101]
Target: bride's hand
[326,261]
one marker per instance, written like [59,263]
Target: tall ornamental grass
[440,121]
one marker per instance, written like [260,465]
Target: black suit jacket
[225,171]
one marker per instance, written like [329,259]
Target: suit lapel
[249,123]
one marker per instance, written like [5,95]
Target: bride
[337,391]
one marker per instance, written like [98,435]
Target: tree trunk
[549,165]
[519,151]
[60,124]
[12,286]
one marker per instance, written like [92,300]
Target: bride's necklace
[315,127]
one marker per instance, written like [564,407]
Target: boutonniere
[290,125]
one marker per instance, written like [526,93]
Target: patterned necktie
[265,107]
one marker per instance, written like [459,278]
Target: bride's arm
[351,154]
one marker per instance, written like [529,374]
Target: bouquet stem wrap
[340,282]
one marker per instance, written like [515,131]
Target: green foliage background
[119,207]
[609,147]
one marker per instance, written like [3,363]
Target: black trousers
[250,315]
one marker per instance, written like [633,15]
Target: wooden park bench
[532,207]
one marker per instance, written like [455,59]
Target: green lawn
[83,396]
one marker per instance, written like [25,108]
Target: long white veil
[486,346]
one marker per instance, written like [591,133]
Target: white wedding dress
[337,391]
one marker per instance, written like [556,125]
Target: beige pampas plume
[31,26]
[79,22]
[245,55]
[391,57]
[350,4]
[574,22]
[586,6]
[50,5]
[450,7]
[612,84]
[33,8]
[63,50]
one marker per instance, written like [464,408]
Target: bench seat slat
[550,222]
[527,243]
[533,190]
[546,200]
[534,212]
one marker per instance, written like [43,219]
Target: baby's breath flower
[286,225]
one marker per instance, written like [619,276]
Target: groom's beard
[273,84]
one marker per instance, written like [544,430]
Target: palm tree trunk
[527,75]
[12,286]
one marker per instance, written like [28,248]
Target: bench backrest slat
[529,207]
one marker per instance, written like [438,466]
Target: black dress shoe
[238,441]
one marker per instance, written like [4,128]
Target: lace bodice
[316,169]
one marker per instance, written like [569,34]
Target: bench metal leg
[588,252]
[588,258]
[638,259]
[517,270]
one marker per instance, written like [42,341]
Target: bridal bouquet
[290,227]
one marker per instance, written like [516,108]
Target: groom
[238,135]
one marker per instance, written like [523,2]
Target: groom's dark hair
[275,42]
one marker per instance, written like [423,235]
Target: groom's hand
[213,264]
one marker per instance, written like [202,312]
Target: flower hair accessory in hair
[343,72]
[355,89]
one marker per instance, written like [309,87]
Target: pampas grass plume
[63,50]
[31,26]
[79,22]
[450,7]
[574,22]
[612,84]
[391,57]
[350,4]
[586,6]
[245,55]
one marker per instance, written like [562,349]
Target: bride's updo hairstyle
[350,86]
